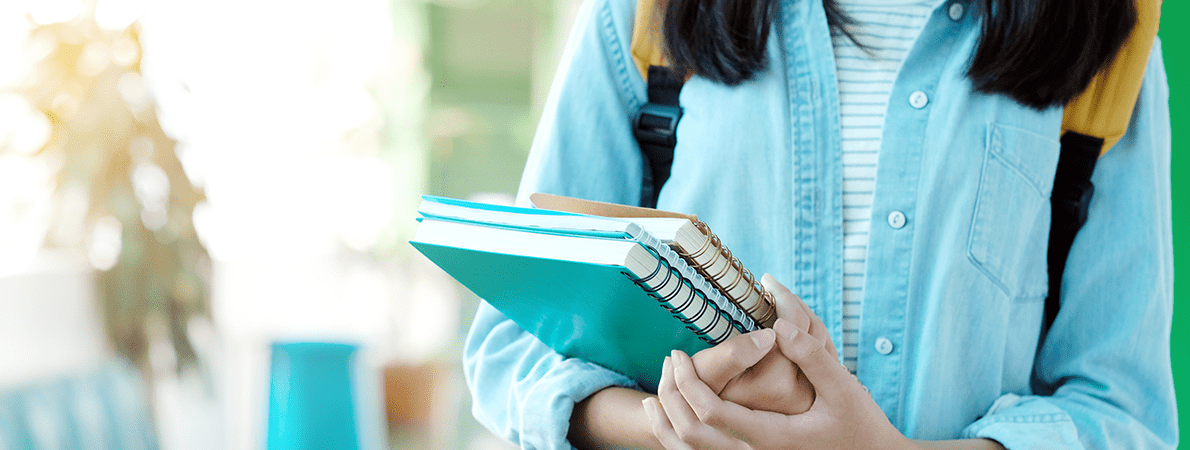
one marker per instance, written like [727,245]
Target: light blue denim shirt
[953,294]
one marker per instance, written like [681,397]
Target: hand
[689,414]
[750,371]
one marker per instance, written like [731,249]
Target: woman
[900,187]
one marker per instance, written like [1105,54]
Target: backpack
[1091,124]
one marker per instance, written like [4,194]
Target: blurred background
[201,203]
[185,187]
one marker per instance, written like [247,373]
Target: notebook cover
[577,205]
[589,311]
[577,222]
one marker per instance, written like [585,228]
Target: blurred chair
[102,409]
[61,385]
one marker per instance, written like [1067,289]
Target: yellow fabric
[1103,110]
[646,37]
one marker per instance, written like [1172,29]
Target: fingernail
[763,339]
[678,360]
[648,408]
[766,280]
[786,329]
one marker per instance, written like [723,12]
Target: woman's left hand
[843,416]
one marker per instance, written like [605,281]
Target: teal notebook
[546,221]
[609,301]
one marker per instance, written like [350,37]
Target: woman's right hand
[750,371]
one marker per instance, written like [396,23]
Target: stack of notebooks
[614,285]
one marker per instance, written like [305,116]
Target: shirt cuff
[1026,422]
[548,404]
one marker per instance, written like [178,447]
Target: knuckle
[735,356]
[804,349]
[688,434]
[802,322]
[819,352]
[684,384]
[713,416]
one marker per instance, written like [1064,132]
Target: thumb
[788,304]
[718,365]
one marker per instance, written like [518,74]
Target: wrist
[611,418]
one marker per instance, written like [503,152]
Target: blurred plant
[120,185]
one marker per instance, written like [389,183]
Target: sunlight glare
[124,51]
[117,15]
[152,190]
[23,130]
[105,243]
[71,211]
[132,90]
[65,105]
[25,191]
[95,58]
[14,39]
[363,205]
[45,12]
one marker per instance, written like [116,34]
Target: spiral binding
[681,312]
[739,320]
[764,311]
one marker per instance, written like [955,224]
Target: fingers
[727,419]
[792,308]
[718,365]
[682,419]
[811,355]
[662,428]
[789,306]
[773,384]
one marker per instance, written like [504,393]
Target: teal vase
[311,397]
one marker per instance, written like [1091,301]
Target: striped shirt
[887,30]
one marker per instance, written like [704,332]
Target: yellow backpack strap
[646,37]
[656,123]
[1092,123]
[1104,108]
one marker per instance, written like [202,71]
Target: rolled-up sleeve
[522,390]
[1103,376]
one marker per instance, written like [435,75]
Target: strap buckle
[657,124]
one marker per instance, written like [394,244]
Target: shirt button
[956,11]
[896,219]
[884,346]
[918,99]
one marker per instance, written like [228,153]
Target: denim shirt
[956,272]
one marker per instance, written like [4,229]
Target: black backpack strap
[1070,200]
[656,128]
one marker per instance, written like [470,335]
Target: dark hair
[1039,52]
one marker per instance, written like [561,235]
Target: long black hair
[1039,52]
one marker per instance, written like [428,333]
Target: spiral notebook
[675,236]
[693,240]
[600,289]
[612,302]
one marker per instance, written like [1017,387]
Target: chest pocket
[1011,222]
